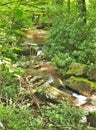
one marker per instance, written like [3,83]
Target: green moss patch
[81,85]
[77,69]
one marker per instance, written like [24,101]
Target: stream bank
[43,79]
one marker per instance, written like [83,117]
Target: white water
[80,99]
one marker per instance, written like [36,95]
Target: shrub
[71,39]
[14,119]
[62,117]
[57,117]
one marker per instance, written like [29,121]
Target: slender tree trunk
[82,9]
[68,5]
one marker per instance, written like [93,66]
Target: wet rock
[77,69]
[81,85]
[49,73]
[50,93]
[91,73]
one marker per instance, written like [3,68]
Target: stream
[40,72]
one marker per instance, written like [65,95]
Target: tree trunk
[82,9]
[68,5]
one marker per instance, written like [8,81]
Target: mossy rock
[49,93]
[76,69]
[81,85]
[91,73]
[82,70]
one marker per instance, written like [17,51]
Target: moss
[81,85]
[91,74]
[77,69]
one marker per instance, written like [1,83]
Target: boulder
[52,94]
[81,85]
[91,73]
[76,69]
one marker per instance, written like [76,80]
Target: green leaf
[2,23]
[19,13]
[17,31]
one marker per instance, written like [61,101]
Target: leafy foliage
[13,17]
[63,117]
[59,117]
[69,41]
[14,119]
[9,79]
[73,40]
